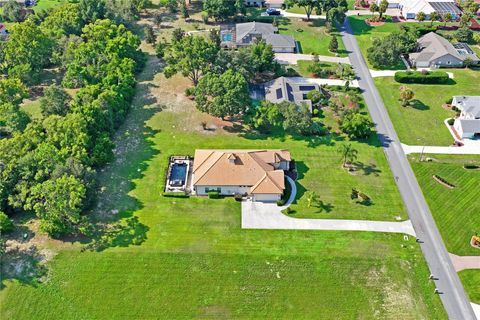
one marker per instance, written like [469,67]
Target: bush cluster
[430,77]
[213,194]
[175,195]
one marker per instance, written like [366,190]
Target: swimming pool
[227,37]
[178,174]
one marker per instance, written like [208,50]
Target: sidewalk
[468,148]
[465,262]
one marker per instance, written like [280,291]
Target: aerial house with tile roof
[256,173]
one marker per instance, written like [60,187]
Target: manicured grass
[197,262]
[303,67]
[312,36]
[455,210]
[422,124]
[471,282]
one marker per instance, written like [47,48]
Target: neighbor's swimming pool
[227,38]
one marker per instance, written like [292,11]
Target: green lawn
[312,36]
[455,210]
[192,259]
[422,123]
[303,67]
[471,283]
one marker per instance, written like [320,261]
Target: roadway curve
[451,290]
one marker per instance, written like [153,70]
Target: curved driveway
[267,215]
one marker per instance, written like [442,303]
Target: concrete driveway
[264,215]
[293,58]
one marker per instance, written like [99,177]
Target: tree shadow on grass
[419,105]
[301,169]
[113,215]
[368,169]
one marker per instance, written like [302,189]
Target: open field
[455,210]
[471,282]
[192,260]
[422,123]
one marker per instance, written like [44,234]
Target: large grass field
[471,282]
[456,211]
[192,259]
[422,123]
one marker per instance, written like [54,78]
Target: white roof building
[468,123]
[410,8]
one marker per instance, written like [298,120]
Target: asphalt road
[447,282]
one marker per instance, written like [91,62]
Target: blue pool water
[227,37]
[178,175]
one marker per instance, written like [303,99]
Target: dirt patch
[374,23]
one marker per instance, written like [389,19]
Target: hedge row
[175,195]
[430,77]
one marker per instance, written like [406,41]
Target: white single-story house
[434,51]
[410,8]
[467,124]
[255,173]
[244,34]
[277,4]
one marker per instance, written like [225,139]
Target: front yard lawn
[312,36]
[471,282]
[422,124]
[456,211]
[195,261]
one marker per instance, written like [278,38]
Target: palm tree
[447,17]
[434,16]
[406,95]
[349,154]
[421,16]
[312,198]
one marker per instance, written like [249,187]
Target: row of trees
[334,10]
[48,164]
[385,52]
[121,11]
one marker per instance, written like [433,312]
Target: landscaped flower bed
[443,181]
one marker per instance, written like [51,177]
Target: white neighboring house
[256,173]
[277,4]
[410,8]
[467,124]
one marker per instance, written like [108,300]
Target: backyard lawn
[456,211]
[471,282]
[192,259]
[422,123]
[312,36]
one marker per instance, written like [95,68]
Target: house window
[448,62]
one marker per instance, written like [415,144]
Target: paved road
[451,291]
[261,215]
[293,58]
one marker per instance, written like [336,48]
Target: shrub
[471,166]
[280,202]
[449,101]
[238,197]
[433,77]
[6,224]
[287,210]
[451,121]
[213,194]
[175,195]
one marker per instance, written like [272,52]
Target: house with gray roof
[245,34]
[467,124]
[289,89]
[435,51]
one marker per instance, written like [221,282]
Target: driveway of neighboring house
[267,215]
[331,82]
[465,262]
[293,58]
[470,147]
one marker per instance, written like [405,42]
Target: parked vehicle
[273,12]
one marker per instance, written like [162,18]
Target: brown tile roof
[253,168]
